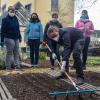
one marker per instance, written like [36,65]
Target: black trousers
[55,47]
[34,50]
[76,50]
[85,51]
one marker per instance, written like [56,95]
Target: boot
[79,81]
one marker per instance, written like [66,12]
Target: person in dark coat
[10,35]
[72,40]
[52,44]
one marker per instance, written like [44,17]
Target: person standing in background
[10,35]
[52,44]
[87,27]
[33,37]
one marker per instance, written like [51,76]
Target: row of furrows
[36,87]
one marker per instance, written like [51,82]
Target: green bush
[2,58]
[42,55]
[93,61]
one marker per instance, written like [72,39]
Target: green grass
[93,61]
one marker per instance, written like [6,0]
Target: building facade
[44,8]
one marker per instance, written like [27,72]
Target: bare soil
[37,86]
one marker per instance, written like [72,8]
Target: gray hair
[50,30]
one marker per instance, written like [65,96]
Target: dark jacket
[50,23]
[68,37]
[10,28]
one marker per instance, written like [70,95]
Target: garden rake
[78,89]
[65,72]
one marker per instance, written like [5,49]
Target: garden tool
[74,84]
[78,90]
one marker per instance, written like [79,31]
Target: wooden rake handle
[74,84]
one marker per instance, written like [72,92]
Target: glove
[27,43]
[54,56]
[43,43]
[63,66]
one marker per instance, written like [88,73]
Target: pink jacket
[86,27]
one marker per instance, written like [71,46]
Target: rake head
[72,92]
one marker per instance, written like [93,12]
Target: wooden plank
[53,73]
[26,64]
[83,86]
[3,95]
[5,89]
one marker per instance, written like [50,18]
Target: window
[28,8]
[54,5]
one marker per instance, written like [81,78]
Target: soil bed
[37,86]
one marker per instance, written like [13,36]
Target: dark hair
[11,8]
[54,14]
[37,20]
[85,11]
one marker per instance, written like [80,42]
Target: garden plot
[37,87]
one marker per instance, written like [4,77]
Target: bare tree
[69,5]
[83,4]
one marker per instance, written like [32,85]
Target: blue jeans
[34,50]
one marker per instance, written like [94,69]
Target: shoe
[35,65]
[61,76]
[18,69]
[8,69]
[52,67]
[8,72]
[32,65]
[84,67]
[80,81]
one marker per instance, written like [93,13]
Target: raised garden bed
[37,86]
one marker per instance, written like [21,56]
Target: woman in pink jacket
[86,26]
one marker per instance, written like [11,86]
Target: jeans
[12,56]
[34,50]
[85,51]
